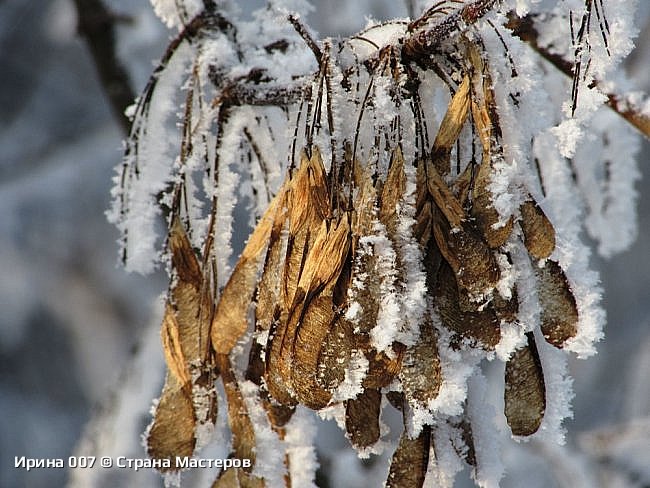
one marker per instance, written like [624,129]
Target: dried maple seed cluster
[380,272]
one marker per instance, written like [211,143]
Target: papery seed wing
[241,426]
[185,336]
[172,432]
[231,316]
[237,477]
[311,320]
[443,197]
[306,211]
[450,127]
[174,356]
[486,216]
[392,192]
[190,297]
[525,394]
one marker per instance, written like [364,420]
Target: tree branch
[96,24]
[524,28]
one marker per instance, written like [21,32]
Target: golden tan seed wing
[393,192]
[172,431]
[241,426]
[450,127]
[307,208]
[485,119]
[311,321]
[237,478]
[230,320]
[185,336]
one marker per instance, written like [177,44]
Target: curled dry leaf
[539,234]
[559,312]
[525,394]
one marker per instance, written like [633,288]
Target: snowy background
[72,318]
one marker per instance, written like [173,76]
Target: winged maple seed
[188,400]
[525,395]
[380,273]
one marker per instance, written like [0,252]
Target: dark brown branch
[425,41]
[96,24]
[524,28]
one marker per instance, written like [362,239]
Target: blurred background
[71,319]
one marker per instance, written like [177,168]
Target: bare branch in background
[524,28]
[96,24]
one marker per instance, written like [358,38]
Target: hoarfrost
[273,93]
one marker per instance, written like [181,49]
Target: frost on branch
[412,212]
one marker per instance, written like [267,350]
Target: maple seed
[525,395]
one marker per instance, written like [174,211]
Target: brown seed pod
[559,312]
[474,264]
[362,418]
[408,466]
[525,394]
[479,326]
[539,234]
[421,374]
